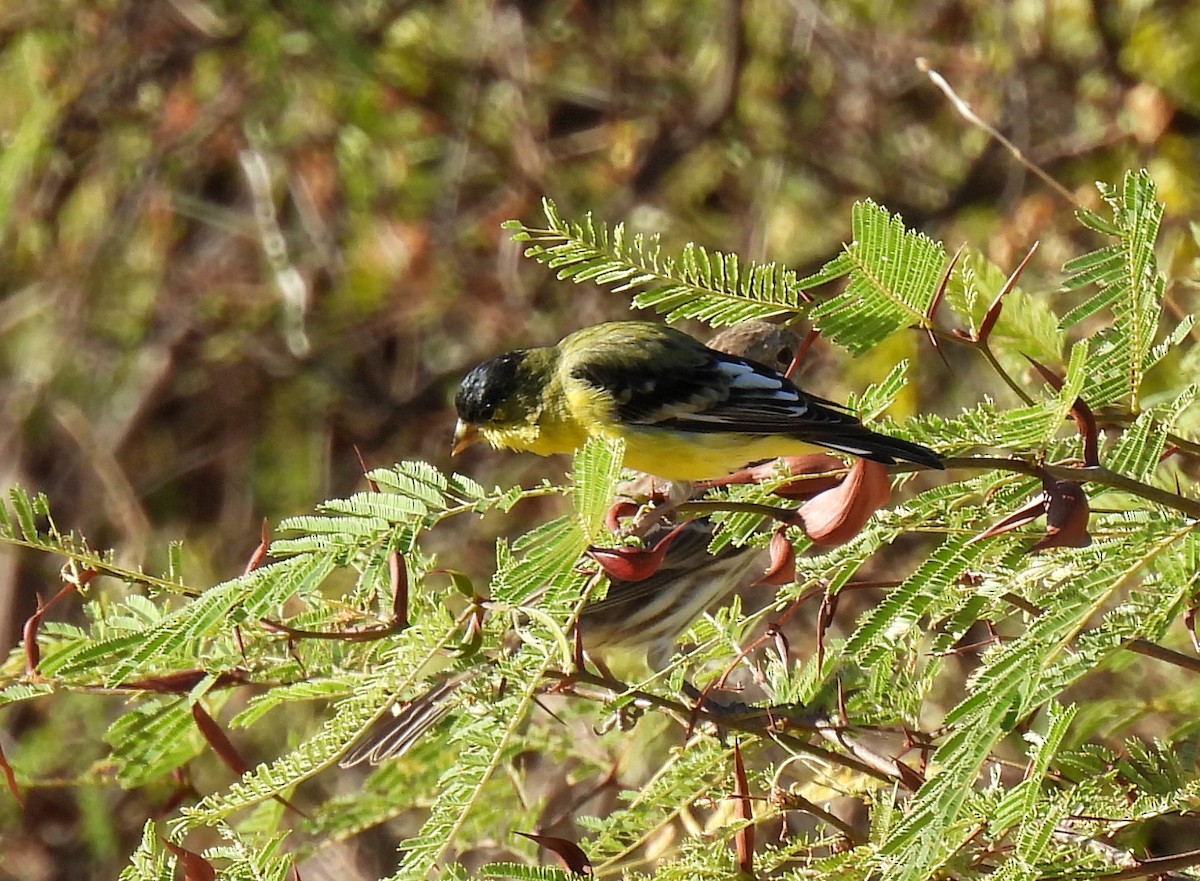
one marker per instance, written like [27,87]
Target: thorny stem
[1096,474]
[984,349]
[1122,420]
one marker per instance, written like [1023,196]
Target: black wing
[662,378]
[687,387]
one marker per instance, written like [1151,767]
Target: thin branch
[1159,866]
[1104,417]
[709,506]
[965,111]
[961,337]
[892,768]
[1138,645]
[793,801]
[1095,474]
[733,722]
[1090,474]
[984,349]
[1162,653]
[93,560]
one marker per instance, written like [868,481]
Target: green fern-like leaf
[1128,282]
[596,470]
[1138,451]
[706,285]
[547,561]
[149,862]
[522,872]
[893,275]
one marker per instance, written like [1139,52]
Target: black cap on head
[486,387]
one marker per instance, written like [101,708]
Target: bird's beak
[465,434]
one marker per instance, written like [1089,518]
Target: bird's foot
[644,502]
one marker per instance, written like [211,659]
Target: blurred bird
[684,410]
[770,345]
[635,616]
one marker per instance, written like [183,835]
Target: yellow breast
[674,455]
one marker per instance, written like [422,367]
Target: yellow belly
[677,456]
[673,455]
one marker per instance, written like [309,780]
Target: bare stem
[708,506]
[1162,653]
[1156,866]
[1090,474]
[964,110]
[984,349]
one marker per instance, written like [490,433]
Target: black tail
[861,441]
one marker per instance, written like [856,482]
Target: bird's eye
[785,356]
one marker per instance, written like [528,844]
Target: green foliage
[1046,694]
[892,276]
[1129,284]
[706,285]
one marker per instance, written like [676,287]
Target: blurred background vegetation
[238,240]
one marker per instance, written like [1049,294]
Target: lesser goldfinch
[646,615]
[685,411]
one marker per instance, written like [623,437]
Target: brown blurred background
[238,240]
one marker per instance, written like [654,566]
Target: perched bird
[646,615]
[685,411]
[649,614]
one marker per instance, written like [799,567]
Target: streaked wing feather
[653,612]
[752,399]
[394,735]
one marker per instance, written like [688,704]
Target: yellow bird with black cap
[685,412]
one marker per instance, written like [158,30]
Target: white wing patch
[755,393]
[743,376]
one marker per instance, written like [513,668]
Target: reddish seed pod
[837,515]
